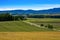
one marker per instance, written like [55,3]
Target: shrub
[50,26]
[23,17]
[46,26]
[42,25]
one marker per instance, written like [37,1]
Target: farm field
[30,35]
[18,26]
[45,21]
[18,30]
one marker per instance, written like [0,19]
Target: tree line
[43,16]
[9,17]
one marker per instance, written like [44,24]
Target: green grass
[20,26]
[45,21]
[48,20]
[17,26]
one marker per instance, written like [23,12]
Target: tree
[50,26]
[6,17]
[23,17]
[9,17]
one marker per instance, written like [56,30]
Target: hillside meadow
[18,26]
[55,22]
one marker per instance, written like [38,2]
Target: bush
[42,25]
[50,26]
[23,17]
[46,26]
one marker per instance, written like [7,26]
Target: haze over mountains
[48,11]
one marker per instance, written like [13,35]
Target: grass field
[18,30]
[18,26]
[45,21]
[29,35]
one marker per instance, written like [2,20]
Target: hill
[48,11]
[18,26]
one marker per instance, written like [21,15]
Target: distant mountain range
[49,11]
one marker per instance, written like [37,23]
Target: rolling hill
[18,26]
[48,11]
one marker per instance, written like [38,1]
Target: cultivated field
[29,35]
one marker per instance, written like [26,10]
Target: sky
[28,4]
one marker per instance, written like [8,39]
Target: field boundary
[37,25]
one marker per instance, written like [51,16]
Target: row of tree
[9,17]
[43,16]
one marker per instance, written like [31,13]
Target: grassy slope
[53,21]
[17,26]
[48,20]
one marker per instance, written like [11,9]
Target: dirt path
[33,24]
[37,25]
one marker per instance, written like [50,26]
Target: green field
[45,21]
[17,26]
[20,26]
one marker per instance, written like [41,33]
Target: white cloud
[34,7]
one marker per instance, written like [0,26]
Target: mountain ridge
[48,11]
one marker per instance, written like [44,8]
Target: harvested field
[29,35]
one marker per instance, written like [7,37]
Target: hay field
[29,35]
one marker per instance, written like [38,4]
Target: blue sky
[28,4]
